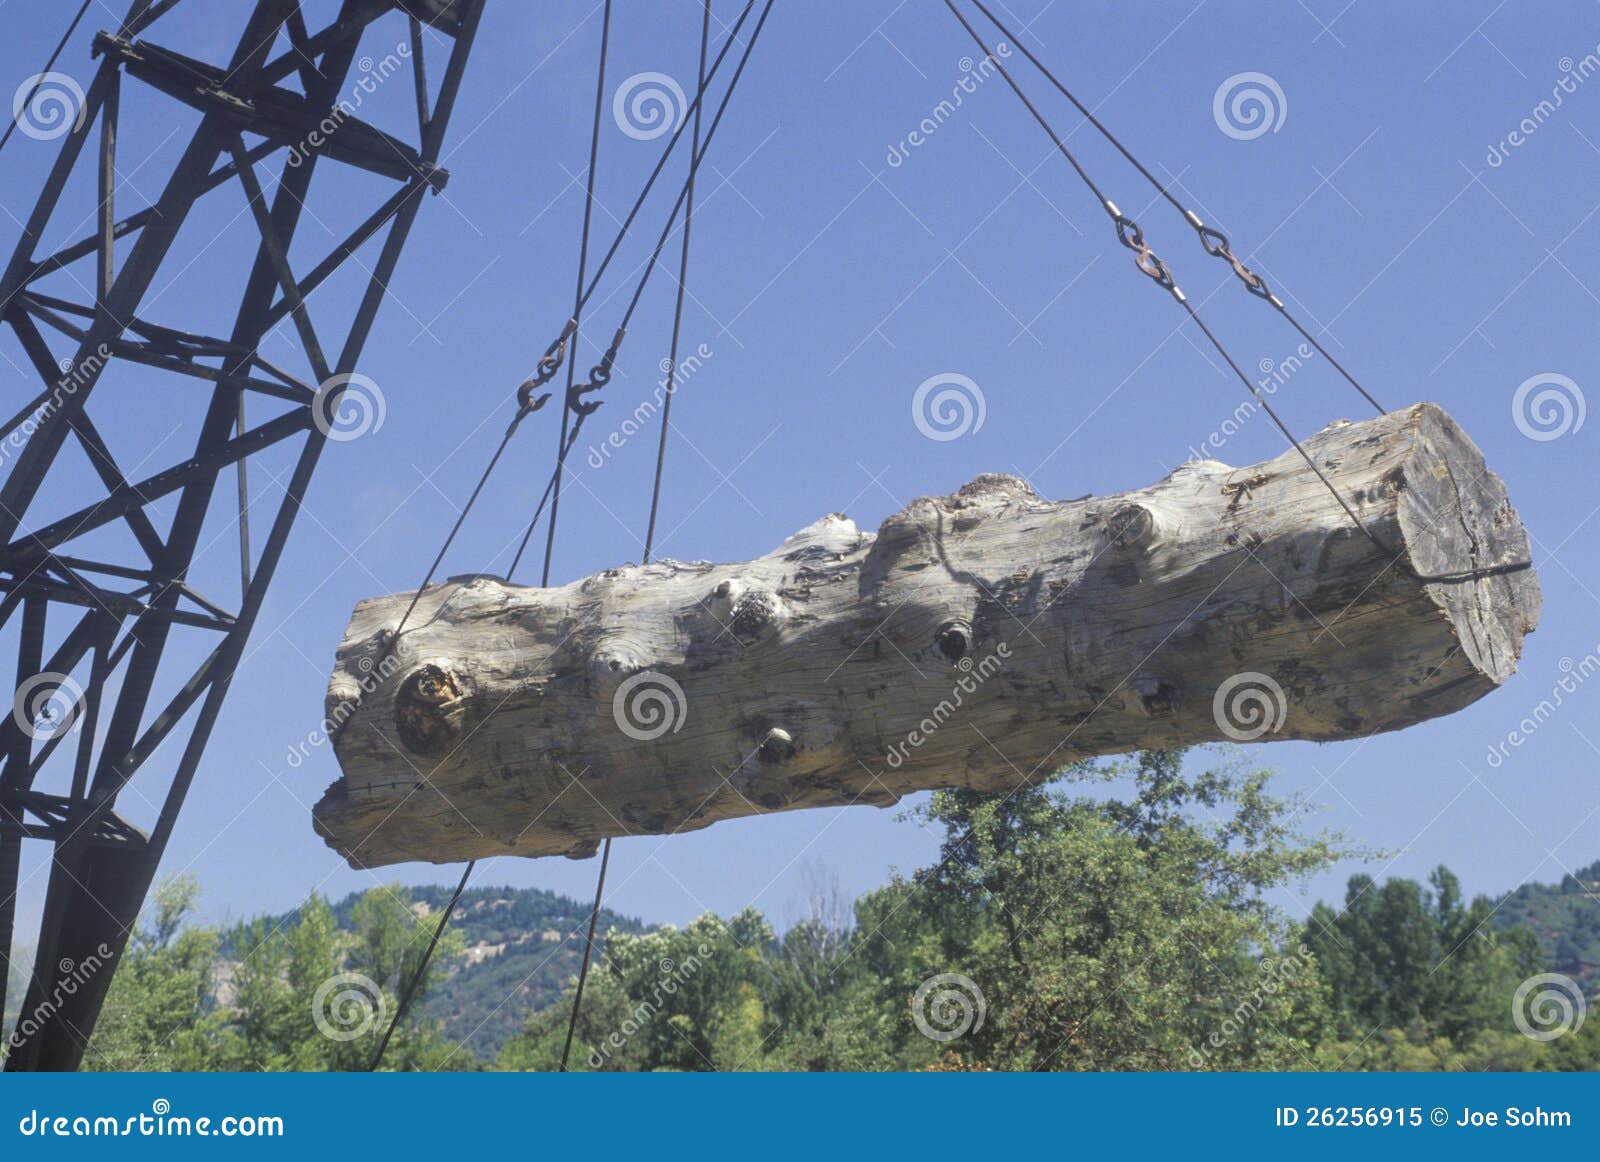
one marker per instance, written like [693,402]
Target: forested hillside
[1128,916]
[1566,919]
[520,947]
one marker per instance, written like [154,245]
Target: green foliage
[526,946]
[1129,933]
[690,999]
[1402,957]
[1565,918]
[1102,934]
[158,1014]
[1422,981]
[300,995]
[21,957]
[1417,1049]
[537,942]
[1121,918]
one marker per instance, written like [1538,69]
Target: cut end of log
[980,639]
[1465,541]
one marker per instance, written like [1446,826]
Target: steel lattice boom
[93,592]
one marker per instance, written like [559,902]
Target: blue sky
[828,281]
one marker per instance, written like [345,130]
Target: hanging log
[977,640]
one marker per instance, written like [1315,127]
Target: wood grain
[980,639]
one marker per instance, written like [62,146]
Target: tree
[160,1013]
[299,994]
[692,999]
[1401,956]
[1120,918]
[1128,933]
[19,958]
[1055,932]
[312,996]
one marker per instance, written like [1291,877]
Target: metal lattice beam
[120,614]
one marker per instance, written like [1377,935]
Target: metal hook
[526,404]
[575,402]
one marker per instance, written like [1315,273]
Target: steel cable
[661,457]
[1212,241]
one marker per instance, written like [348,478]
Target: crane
[102,592]
[106,611]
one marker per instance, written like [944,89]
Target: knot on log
[1157,697]
[1142,614]
[1133,526]
[954,639]
[610,665]
[749,612]
[778,746]
[428,709]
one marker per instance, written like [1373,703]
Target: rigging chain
[686,198]
[525,406]
[600,373]
[550,363]
[528,401]
[1214,242]
[1131,235]
[555,354]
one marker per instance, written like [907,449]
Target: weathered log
[979,640]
